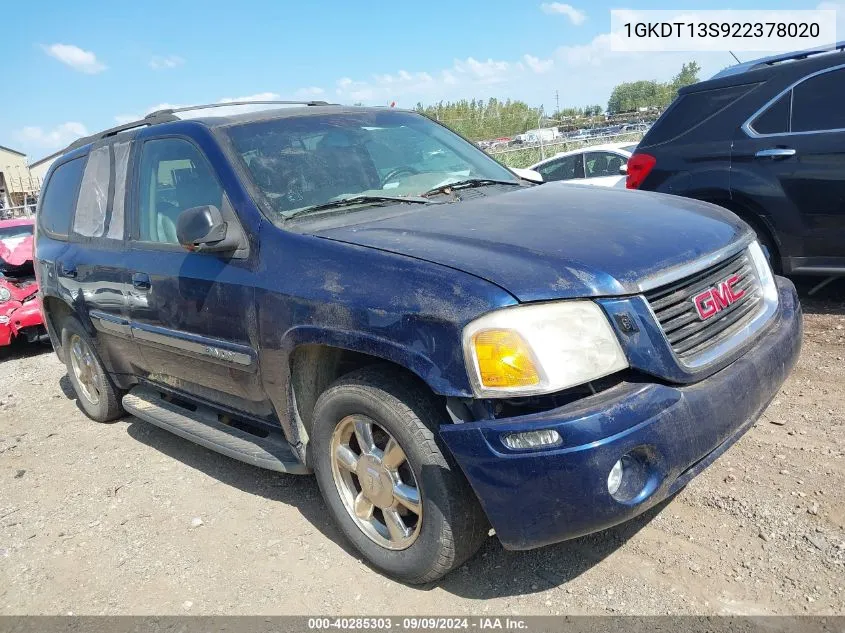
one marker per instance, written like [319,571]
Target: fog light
[4,320]
[532,439]
[614,478]
[634,478]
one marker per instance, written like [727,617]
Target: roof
[299,109]
[603,147]
[772,60]
[13,151]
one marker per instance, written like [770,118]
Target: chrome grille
[686,332]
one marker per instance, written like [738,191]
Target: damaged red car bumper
[18,318]
[20,307]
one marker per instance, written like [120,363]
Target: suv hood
[556,240]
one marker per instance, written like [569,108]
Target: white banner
[724,30]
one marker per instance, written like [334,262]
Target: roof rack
[169,114]
[226,104]
[775,59]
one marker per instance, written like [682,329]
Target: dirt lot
[125,518]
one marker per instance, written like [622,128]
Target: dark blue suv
[362,294]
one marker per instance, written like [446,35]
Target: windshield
[15,232]
[16,250]
[308,161]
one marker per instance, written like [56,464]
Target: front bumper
[536,497]
[17,317]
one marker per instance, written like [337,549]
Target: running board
[203,427]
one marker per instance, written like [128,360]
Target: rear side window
[690,110]
[775,120]
[566,168]
[99,210]
[90,218]
[59,198]
[817,103]
[599,164]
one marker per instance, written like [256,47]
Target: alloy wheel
[85,371]
[376,484]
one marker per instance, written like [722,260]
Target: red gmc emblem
[715,299]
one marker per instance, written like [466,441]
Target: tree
[629,96]
[687,76]
[480,120]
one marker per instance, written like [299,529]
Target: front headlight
[5,295]
[764,273]
[536,349]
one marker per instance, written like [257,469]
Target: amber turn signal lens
[504,359]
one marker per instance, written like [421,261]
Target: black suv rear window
[775,120]
[817,103]
[59,198]
[690,109]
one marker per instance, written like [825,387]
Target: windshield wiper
[468,183]
[354,200]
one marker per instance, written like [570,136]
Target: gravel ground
[125,518]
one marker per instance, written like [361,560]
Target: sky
[87,65]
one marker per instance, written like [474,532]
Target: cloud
[159,62]
[354,90]
[490,71]
[558,8]
[218,111]
[78,59]
[538,65]
[309,93]
[52,139]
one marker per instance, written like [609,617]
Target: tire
[103,402]
[450,527]
[768,245]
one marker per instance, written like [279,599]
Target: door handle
[775,152]
[141,281]
[67,270]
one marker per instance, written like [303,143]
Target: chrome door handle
[775,152]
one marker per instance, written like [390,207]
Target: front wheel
[405,506]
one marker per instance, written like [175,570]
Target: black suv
[765,139]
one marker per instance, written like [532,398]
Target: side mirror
[623,170]
[203,229]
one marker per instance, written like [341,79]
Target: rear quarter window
[59,198]
[690,110]
[775,120]
[817,103]
[100,207]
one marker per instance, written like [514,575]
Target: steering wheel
[393,173]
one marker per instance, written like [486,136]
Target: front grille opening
[688,334]
[512,407]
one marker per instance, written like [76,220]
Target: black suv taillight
[639,167]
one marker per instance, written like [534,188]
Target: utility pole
[540,133]
[557,100]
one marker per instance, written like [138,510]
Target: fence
[11,213]
[527,156]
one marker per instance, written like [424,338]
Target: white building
[18,187]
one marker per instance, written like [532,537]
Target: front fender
[411,359]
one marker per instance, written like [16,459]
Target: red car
[20,308]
